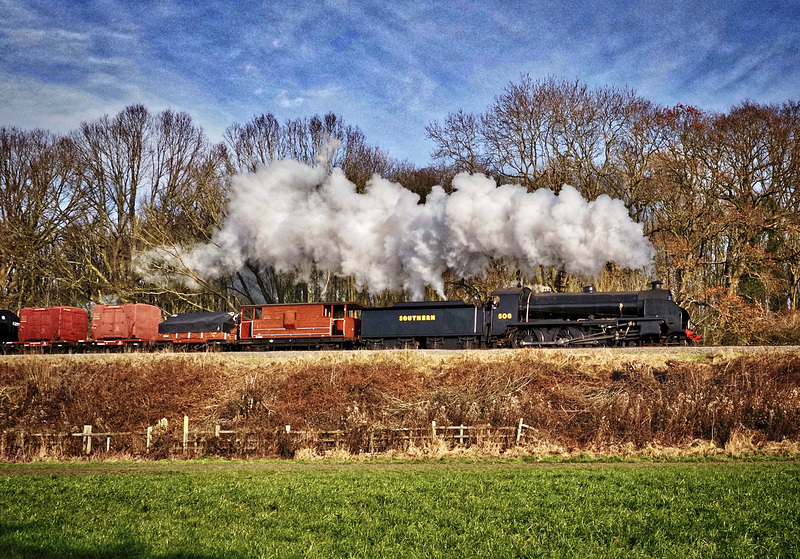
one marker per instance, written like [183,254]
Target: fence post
[372,440]
[21,441]
[149,436]
[185,432]
[288,428]
[87,438]
[433,428]
[519,429]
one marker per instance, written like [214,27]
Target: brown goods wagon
[131,321]
[53,324]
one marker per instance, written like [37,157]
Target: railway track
[726,351]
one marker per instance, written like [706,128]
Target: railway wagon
[9,326]
[126,325]
[424,325]
[300,326]
[53,327]
[196,330]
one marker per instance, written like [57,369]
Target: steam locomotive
[520,318]
[515,318]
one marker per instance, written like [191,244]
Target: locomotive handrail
[528,306]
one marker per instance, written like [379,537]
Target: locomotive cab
[505,309]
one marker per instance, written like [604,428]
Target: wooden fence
[160,440]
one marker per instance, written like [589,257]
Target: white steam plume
[291,216]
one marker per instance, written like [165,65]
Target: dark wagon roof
[198,322]
[425,305]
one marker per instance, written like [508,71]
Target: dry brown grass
[601,403]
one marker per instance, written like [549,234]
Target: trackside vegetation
[419,509]
[624,403]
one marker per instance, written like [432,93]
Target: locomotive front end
[521,318]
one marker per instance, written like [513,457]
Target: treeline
[75,209]
[716,193]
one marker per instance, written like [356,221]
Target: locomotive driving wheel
[527,337]
[566,335]
[677,339]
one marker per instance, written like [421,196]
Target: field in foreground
[422,509]
[508,403]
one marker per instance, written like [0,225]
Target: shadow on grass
[12,546]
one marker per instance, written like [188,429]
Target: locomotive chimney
[656,284]
[588,289]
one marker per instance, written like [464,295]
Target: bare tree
[518,134]
[460,143]
[177,149]
[683,218]
[421,181]
[114,154]
[359,160]
[39,200]
[256,143]
[753,156]
[187,211]
[550,133]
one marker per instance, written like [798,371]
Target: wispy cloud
[390,68]
[284,100]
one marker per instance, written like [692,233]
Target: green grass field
[422,509]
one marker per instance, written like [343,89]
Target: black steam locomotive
[520,318]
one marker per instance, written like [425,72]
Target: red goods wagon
[306,325]
[131,322]
[53,325]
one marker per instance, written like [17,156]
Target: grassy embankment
[611,402]
[418,509]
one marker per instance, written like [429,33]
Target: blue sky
[390,68]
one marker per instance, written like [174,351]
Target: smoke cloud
[293,216]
